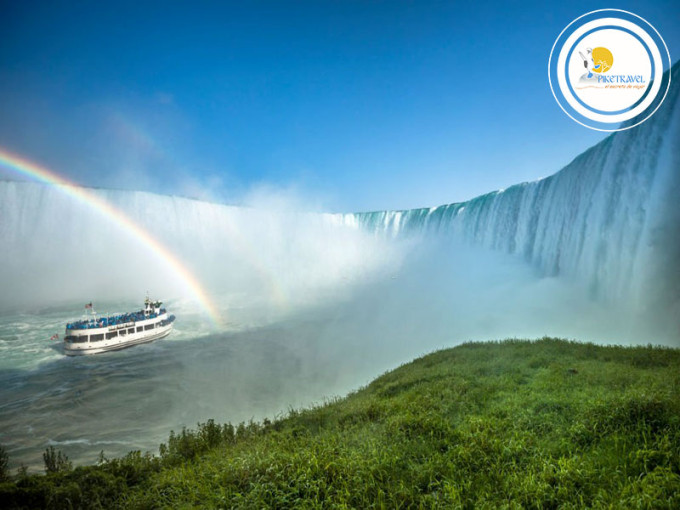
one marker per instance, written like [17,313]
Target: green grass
[515,424]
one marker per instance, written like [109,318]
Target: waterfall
[608,219]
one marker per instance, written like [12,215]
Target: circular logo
[606,68]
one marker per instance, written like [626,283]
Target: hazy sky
[351,105]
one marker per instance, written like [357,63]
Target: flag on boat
[89,305]
[55,337]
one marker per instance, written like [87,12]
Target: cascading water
[607,219]
[56,249]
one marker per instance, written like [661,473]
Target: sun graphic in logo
[598,60]
[602,60]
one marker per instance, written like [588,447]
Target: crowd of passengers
[112,321]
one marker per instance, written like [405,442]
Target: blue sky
[351,105]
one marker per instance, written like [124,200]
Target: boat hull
[115,344]
[107,346]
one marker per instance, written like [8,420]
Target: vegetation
[56,461]
[546,424]
[4,463]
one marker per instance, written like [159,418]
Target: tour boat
[94,334]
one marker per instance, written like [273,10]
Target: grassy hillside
[513,424]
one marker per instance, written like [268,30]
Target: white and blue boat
[96,334]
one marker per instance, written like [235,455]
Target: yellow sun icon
[602,60]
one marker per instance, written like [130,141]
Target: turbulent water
[313,305]
[130,399]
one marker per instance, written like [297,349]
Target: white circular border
[658,68]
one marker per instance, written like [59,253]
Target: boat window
[112,334]
[131,330]
[80,339]
[149,326]
[139,328]
[122,332]
[96,338]
[70,339]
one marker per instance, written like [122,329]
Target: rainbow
[36,172]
